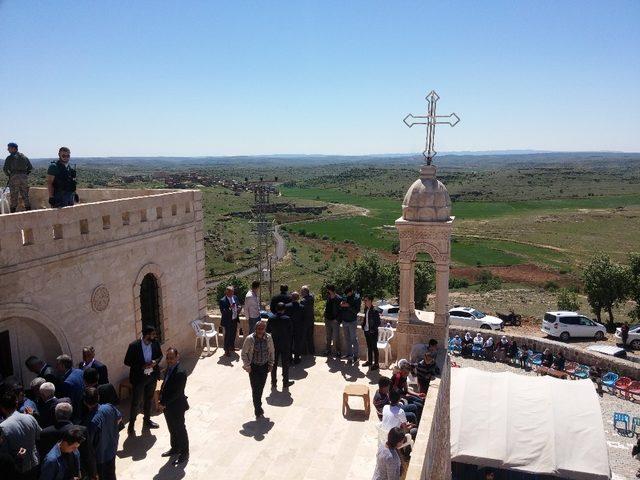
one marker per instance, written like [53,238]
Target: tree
[634,284]
[606,285]
[568,300]
[366,275]
[240,285]
[424,282]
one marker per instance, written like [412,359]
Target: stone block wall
[608,363]
[77,271]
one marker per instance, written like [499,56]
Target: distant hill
[451,160]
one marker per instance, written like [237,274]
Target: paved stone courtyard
[623,466]
[304,435]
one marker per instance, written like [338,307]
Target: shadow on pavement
[136,446]
[257,428]
[170,472]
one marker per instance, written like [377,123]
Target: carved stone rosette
[100,298]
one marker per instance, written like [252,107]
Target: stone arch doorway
[149,300]
[150,306]
[21,337]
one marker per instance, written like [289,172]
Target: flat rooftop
[304,434]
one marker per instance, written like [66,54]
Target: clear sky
[128,78]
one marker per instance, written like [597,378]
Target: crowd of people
[60,179]
[66,424]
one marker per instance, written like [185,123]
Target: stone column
[411,289]
[442,293]
[406,282]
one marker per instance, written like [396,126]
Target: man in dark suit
[295,311]
[89,361]
[230,312]
[370,325]
[173,403]
[71,383]
[41,369]
[106,392]
[282,297]
[52,434]
[308,315]
[143,357]
[279,326]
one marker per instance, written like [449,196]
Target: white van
[566,325]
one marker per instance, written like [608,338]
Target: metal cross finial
[431,120]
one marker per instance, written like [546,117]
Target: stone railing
[111,215]
[608,363]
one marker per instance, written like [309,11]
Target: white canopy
[531,424]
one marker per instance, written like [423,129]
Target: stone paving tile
[304,435]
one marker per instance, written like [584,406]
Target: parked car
[389,310]
[634,336]
[608,350]
[566,325]
[470,317]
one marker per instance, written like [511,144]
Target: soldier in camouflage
[17,167]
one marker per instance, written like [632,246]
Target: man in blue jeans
[349,309]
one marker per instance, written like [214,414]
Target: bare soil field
[525,273]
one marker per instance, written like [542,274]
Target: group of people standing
[60,179]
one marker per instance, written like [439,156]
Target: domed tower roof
[427,199]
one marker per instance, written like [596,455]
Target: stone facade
[72,277]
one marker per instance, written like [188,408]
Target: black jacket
[103,374]
[226,312]
[308,313]
[48,373]
[349,313]
[374,320]
[135,360]
[295,312]
[332,308]
[172,392]
[280,328]
[282,297]
[51,435]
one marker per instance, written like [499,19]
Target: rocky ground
[623,465]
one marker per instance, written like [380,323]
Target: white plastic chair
[385,335]
[203,335]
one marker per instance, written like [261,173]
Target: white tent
[540,425]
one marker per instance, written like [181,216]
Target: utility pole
[263,228]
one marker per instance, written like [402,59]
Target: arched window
[150,307]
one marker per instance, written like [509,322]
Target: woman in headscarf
[488,349]
[466,344]
[478,343]
[501,349]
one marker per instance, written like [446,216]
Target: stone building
[94,273]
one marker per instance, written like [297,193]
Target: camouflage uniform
[18,167]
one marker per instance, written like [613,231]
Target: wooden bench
[356,390]
[552,372]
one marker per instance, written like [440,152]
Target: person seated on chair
[502,349]
[381,397]
[399,382]
[559,361]
[394,416]
[467,342]
[512,351]
[547,358]
[426,370]
[388,464]
[489,346]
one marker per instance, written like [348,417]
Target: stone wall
[77,271]
[608,363]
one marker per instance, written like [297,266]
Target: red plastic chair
[622,384]
[633,390]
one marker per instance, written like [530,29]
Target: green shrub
[458,283]
[567,300]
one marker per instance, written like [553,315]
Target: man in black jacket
[349,309]
[173,403]
[370,325]
[42,369]
[295,312]
[279,326]
[52,434]
[89,361]
[143,357]
[282,297]
[332,321]
[308,315]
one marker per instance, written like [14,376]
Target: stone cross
[431,120]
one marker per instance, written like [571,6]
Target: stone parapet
[608,363]
[114,215]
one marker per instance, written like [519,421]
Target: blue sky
[114,78]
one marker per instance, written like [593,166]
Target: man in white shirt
[252,305]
